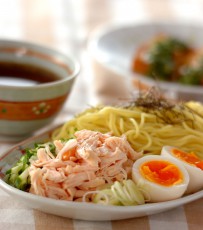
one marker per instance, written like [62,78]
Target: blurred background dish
[35,82]
[116,49]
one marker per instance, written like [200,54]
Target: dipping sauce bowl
[35,82]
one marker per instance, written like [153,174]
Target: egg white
[195,173]
[153,191]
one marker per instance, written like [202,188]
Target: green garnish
[18,175]
[120,193]
[161,57]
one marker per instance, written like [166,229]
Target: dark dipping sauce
[22,74]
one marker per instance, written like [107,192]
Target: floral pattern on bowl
[31,110]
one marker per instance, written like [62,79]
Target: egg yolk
[161,172]
[190,158]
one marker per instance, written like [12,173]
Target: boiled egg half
[160,178]
[192,163]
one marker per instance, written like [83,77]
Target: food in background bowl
[34,84]
[113,50]
[169,59]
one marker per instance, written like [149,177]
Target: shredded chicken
[83,164]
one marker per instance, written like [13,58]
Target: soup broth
[23,74]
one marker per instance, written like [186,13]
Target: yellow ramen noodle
[146,130]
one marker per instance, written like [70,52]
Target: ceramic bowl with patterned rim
[35,82]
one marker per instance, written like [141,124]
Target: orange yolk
[190,158]
[161,172]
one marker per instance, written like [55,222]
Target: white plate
[115,46]
[83,211]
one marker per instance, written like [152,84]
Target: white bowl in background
[113,49]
